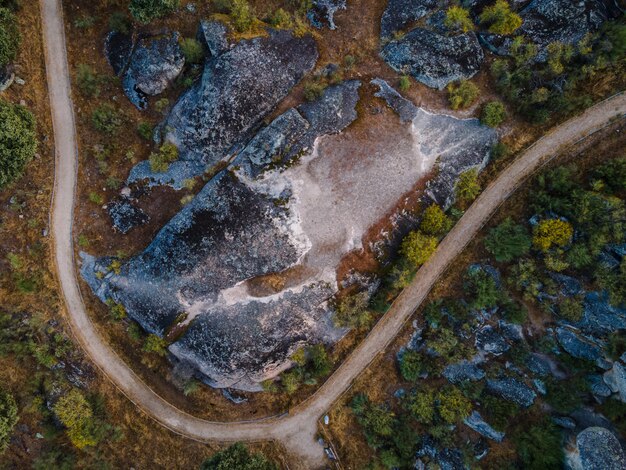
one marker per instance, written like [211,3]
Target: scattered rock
[6,78]
[434,59]
[540,386]
[598,387]
[577,346]
[616,380]
[153,66]
[491,341]
[234,396]
[402,13]
[461,371]
[512,390]
[125,215]
[476,422]
[600,318]
[324,10]
[564,422]
[597,448]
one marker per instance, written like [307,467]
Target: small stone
[478,424]
[20,81]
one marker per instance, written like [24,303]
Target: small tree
[493,114]
[458,17]
[453,406]
[552,232]
[421,405]
[160,161]
[237,457]
[18,141]
[500,19]
[508,241]
[76,414]
[241,15]
[155,344]
[467,187]
[9,37]
[571,309]
[145,11]
[411,365]
[404,83]
[462,95]
[8,418]
[482,287]
[192,50]
[418,248]
[87,81]
[434,221]
[353,311]
[106,119]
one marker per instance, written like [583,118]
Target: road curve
[297,430]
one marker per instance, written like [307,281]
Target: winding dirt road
[297,430]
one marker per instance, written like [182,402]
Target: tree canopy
[9,37]
[237,457]
[18,141]
[145,11]
[500,19]
[508,241]
[418,248]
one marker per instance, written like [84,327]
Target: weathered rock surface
[238,89]
[576,345]
[489,340]
[512,390]
[616,380]
[598,387]
[600,317]
[6,78]
[476,422]
[462,371]
[434,59]
[459,144]
[125,215]
[597,448]
[118,47]
[401,13]
[324,11]
[214,36]
[153,66]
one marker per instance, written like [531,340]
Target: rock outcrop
[237,90]
[324,11]
[597,448]
[463,371]
[616,380]
[125,215]
[214,36]
[577,346]
[476,422]
[6,77]
[435,59]
[512,390]
[399,14]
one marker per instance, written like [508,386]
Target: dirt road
[297,430]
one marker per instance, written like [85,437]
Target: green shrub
[145,130]
[616,344]
[404,83]
[482,289]
[87,81]
[615,410]
[192,50]
[96,198]
[84,22]
[435,221]
[106,119]
[8,418]
[418,247]
[539,447]
[160,161]
[514,312]
[421,405]
[119,22]
[463,94]
[9,37]
[467,188]
[281,19]
[411,365]
[314,90]
[376,419]
[493,114]
[18,141]
[353,311]
[500,19]
[241,15]
[74,411]
[237,457]
[552,232]
[571,309]
[145,11]
[566,396]
[458,18]
[499,413]
[155,344]
[453,406]
[499,150]
[508,241]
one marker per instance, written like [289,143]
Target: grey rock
[569,285]
[214,35]
[616,380]
[153,66]
[511,331]
[512,390]
[402,13]
[446,459]
[237,90]
[234,396]
[461,371]
[564,422]
[598,387]
[598,448]
[576,345]
[125,215]
[476,422]
[489,340]
[467,142]
[600,318]
[538,364]
[118,47]
[540,386]
[6,78]
[324,11]
[434,59]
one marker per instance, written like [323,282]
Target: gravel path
[297,430]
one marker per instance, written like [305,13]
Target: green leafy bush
[241,15]
[74,411]
[119,22]
[353,311]
[418,247]
[237,457]
[192,50]
[106,119]
[467,188]
[508,241]
[9,37]
[458,18]
[87,80]
[435,221]
[539,447]
[453,406]
[145,11]
[155,344]
[463,94]
[411,365]
[493,114]
[404,83]
[8,418]
[18,141]
[482,289]
[500,19]
[160,161]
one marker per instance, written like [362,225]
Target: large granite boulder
[489,340]
[597,448]
[118,47]
[600,318]
[616,380]
[462,371]
[512,390]
[456,145]
[435,59]
[238,89]
[214,36]
[126,215]
[401,13]
[323,11]
[153,66]
[577,346]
